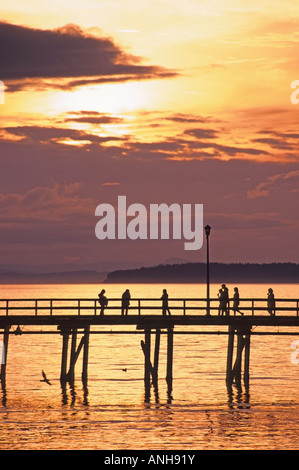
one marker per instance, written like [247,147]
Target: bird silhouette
[45,379]
[124,370]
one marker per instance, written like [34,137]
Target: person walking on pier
[236,302]
[164,299]
[103,301]
[125,302]
[271,301]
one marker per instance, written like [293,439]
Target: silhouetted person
[236,302]
[222,303]
[125,302]
[103,301]
[165,303]
[271,302]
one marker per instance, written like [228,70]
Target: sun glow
[104,98]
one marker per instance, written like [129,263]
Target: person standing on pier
[271,302]
[164,299]
[222,303]
[125,302]
[236,302]
[103,301]
[223,300]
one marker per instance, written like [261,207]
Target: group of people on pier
[223,296]
[125,302]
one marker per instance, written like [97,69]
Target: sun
[105,98]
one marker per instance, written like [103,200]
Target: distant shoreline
[219,272]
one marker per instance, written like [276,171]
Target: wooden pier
[74,320]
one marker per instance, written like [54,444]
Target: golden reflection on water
[114,412]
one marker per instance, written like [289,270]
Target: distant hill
[219,272]
[165,273]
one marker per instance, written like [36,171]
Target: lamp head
[207,230]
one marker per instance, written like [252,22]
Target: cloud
[202,133]
[265,188]
[70,54]
[92,117]
[53,203]
[205,139]
[52,135]
[186,118]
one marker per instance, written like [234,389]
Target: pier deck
[75,317]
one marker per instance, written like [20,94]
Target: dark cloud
[202,133]
[92,117]
[48,135]
[186,118]
[69,53]
[205,139]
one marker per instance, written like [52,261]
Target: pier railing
[142,306]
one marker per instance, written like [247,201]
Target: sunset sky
[175,101]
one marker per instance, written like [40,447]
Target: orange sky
[189,98]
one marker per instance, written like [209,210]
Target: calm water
[113,413]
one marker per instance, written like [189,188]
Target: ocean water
[113,413]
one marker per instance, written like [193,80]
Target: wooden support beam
[156,359]
[243,346]
[73,358]
[65,342]
[149,369]
[230,352]
[74,354]
[237,370]
[85,342]
[246,359]
[169,359]
[146,347]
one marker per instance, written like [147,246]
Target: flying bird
[45,379]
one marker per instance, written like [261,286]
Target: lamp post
[207,230]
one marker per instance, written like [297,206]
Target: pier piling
[73,358]
[151,370]
[65,342]
[169,359]
[69,376]
[85,355]
[230,352]
[234,373]
[156,358]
